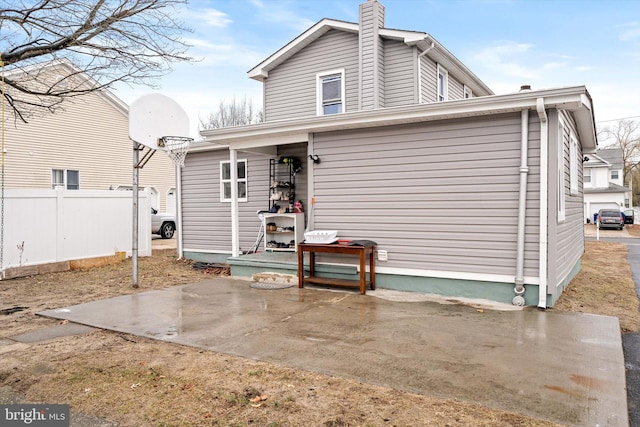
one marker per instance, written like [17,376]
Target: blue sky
[506,43]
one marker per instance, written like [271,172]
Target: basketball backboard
[155,115]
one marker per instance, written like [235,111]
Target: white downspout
[423,53]
[544,192]
[522,209]
[235,237]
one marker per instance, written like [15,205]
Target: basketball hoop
[176,147]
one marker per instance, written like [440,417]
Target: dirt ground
[133,381]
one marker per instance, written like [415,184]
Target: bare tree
[624,134]
[233,113]
[101,42]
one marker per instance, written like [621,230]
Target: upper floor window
[330,92]
[614,175]
[443,84]
[468,93]
[225,180]
[587,176]
[561,172]
[573,164]
[65,178]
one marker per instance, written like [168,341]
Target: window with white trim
[561,179]
[615,174]
[573,163]
[225,180]
[586,177]
[443,84]
[330,92]
[65,178]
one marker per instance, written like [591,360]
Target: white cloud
[554,65]
[226,53]
[213,18]
[629,32]
[493,59]
[279,13]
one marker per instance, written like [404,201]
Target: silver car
[163,224]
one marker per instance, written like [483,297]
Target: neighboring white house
[604,182]
[84,145]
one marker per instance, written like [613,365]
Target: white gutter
[544,192]
[179,208]
[235,235]
[522,209]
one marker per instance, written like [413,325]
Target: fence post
[60,224]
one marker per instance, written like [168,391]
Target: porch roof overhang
[575,99]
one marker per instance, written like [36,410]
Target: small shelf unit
[282,181]
[288,232]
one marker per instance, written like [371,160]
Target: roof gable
[67,68]
[424,41]
[261,71]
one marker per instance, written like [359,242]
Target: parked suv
[163,224]
[628,216]
[610,218]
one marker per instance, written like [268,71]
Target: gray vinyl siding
[207,220]
[566,238]
[429,79]
[400,79]
[368,49]
[456,89]
[382,78]
[290,89]
[437,196]
[371,56]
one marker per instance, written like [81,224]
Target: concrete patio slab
[564,367]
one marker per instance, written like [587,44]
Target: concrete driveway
[158,242]
[565,367]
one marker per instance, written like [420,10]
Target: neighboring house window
[69,179]
[225,181]
[561,182]
[587,175]
[330,92]
[573,164]
[443,84]
[614,174]
[467,92]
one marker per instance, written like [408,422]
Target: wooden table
[363,252]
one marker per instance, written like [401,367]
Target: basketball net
[176,147]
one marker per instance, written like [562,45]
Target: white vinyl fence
[45,226]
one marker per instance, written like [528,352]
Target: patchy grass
[604,285]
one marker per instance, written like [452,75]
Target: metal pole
[134,243]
